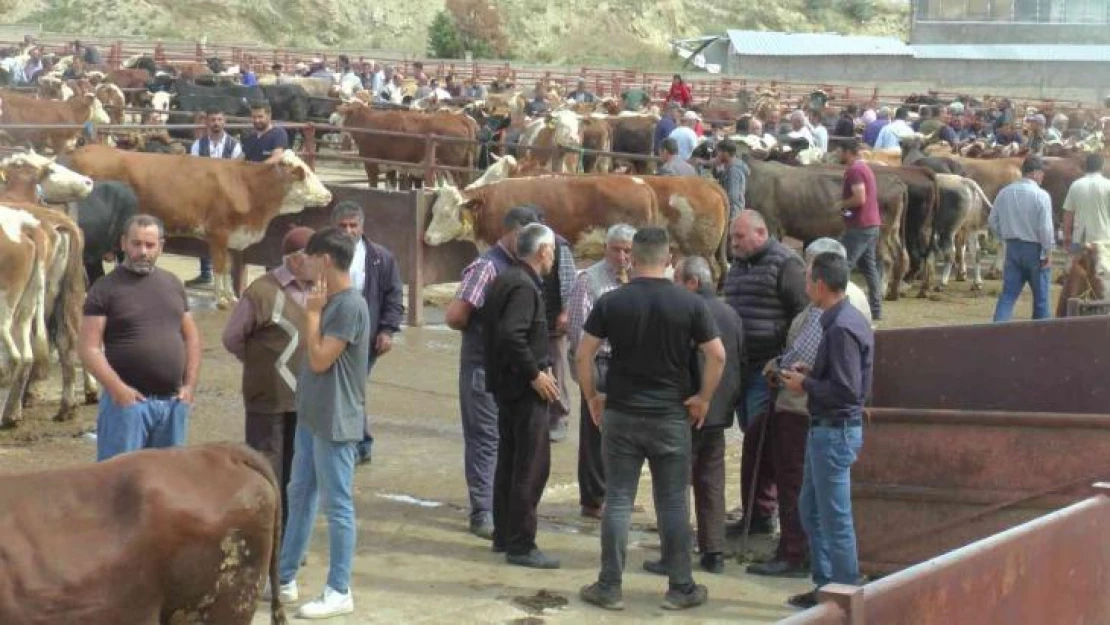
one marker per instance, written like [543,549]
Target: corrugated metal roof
[1044,52]
[765,43]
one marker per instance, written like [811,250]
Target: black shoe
[200,281]
[602,596]
[691,597]
[804,601]
[778,568]
[655,567]
[534,559]
[496,548]
[482,528]
[760,525]
[365,458]
[713,563]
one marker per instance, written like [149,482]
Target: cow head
[160,101]
[568,132]
[306,189]
[96,112]
[501,169]
[59,184]
[452,217]
[339,117]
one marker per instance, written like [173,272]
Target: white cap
[691,115]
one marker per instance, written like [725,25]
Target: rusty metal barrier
[1052,569]
[975,429]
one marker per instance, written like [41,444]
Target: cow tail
[259,464]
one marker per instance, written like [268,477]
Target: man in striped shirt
[602,277]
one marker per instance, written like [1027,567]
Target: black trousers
[591,463]
[523,466]
[707,474]
[272,435]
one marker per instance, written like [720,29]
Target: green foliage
[859,10]
[443,37]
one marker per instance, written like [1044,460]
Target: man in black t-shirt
[268,142]
[652,399]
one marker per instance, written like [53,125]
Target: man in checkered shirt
[479,411]
[591,284]
[789,425]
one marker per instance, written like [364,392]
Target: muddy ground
[415,562]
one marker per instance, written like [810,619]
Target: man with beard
[139,341]
[268,142]
[215,143]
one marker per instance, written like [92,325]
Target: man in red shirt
[860,208]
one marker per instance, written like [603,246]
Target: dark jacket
[515,333]
[727,395]
[840,381]
[767,289]
[382,292]
[553,288]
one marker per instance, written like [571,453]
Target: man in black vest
[518,373]
[766,286]
[215,143]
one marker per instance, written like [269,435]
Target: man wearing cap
[685,136]
[789,423]
[872,129]
[581,95]
[264,334]
[1022,217]
[466,314]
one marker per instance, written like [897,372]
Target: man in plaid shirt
[591,284]
[789,425]
[479,411]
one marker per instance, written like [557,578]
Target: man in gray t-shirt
[331,404]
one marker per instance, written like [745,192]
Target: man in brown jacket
[264,334]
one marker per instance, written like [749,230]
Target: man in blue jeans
[838,386]
[862,222]
[1022,217]
[139,341]
[331,401]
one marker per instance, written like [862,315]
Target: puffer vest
[752,289]
[473,344]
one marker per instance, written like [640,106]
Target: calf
[1086,278]
[21,109]
[180,535]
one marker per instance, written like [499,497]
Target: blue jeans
[206,266]
[826,503]
[156,422]
[366,445]
[754,401]
[862,246]
[1023,264]
[321,469]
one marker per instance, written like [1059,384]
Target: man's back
[652,326]
[1023,210]
[677,167]
[686,139]
[1089,200]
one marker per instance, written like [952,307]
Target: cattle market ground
[415,562]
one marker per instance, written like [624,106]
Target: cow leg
[995,271]
[221,274]
[976,267]
[961,257]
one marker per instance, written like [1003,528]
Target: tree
[443,37]
[478,25]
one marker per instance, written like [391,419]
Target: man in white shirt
[819,131]
[799,128]
[216,143]
[1087,207]
[685,136]
[890,137]
[393,93]
[349,82]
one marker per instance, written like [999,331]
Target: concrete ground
[415,561]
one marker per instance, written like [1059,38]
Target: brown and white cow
[1087,277]
[22,109]
[574,206]
[227,203]
[356,115]
[23,250]
[181,535]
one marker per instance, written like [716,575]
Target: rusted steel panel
[823,614]
[929,481]
[1044,366]
[1054,569]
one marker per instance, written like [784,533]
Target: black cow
[288,103]
[101,216]
[233,100]
[491,129]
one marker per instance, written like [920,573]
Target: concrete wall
[1086,82]
[1002,33]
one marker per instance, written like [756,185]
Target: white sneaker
[287,593]
[327,605]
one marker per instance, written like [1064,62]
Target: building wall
[1087,82]
[1003,33]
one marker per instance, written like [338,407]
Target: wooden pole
[415,317]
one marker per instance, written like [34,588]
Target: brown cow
[597,134]
[405,149]
[24,251]
[181,535]
[22,109]
[634,135]
[1086,279]
[574,206]
[228,203]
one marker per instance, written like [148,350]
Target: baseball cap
[691,115]
[295,240]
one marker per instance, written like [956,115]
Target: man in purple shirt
[860,207]
[838,385]
[872,129]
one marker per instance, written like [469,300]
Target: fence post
[160,53]
[416,281]
[429,161]
[199,52]
[309,131]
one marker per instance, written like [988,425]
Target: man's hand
[383,343]
[597,407]
[801,367]
[544,384]
[125,396]
[792,380]
[186,394]
[696,407]
[317,296]
[561,323]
